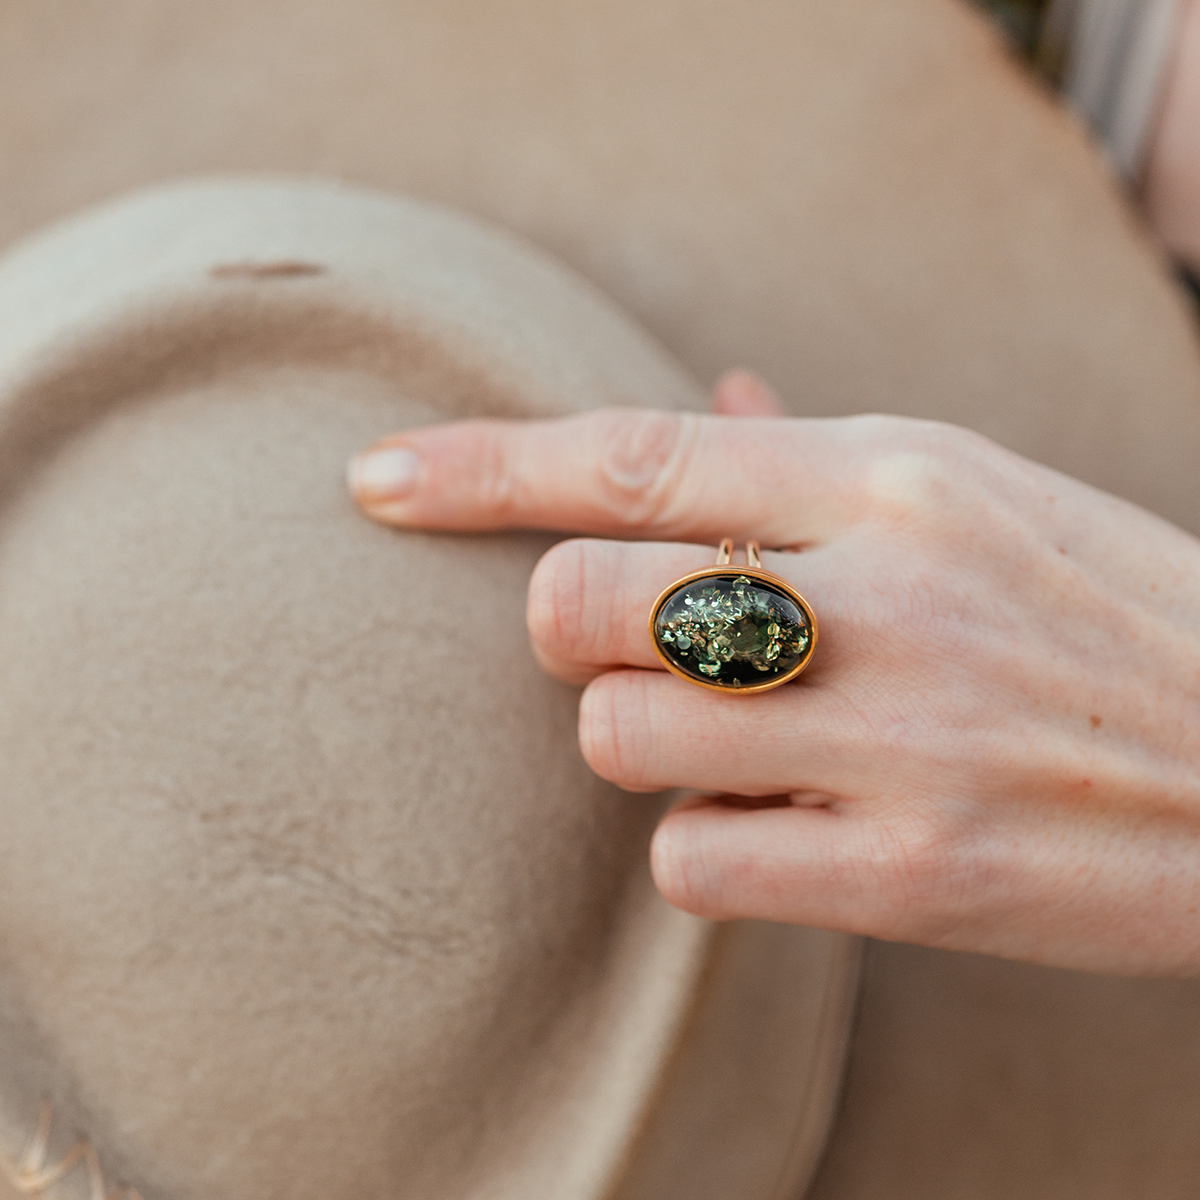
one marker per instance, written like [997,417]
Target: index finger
[630,473]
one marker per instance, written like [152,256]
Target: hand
[997,746]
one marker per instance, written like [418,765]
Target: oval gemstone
[733,631]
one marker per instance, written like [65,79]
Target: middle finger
[647,731]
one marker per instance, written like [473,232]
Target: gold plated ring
[733,629]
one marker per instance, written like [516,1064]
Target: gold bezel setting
[727,570]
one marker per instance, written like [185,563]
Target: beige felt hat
[308,892]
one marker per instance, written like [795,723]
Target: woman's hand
[997,746]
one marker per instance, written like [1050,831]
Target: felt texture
[868,201]
[308,890]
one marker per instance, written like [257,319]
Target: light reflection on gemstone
[733,631]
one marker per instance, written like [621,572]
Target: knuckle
[876,429]
[919,471]
[929,875]
[907,485]
[913,852]
[554,610]
[686,871]
[613,728]
[569,608]
[493,473]
[641,459]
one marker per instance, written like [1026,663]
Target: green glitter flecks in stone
[733,630]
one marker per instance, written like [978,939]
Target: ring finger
[589,601]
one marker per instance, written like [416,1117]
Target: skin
[1172,179]
[997,746]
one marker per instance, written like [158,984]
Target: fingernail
[741,393]
[389,473]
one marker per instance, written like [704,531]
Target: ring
[732,628]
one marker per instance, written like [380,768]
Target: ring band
[733,629]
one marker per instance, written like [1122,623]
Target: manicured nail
[389,473]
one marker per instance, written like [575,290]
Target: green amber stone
[733,631]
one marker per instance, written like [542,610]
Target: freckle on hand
[1096,721]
